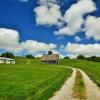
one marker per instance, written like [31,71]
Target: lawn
[30,81]
[92,69]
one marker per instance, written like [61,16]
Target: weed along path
[77,87]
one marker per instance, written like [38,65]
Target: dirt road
[93,92]
[66,91]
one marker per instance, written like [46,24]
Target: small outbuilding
[50,58]
[7,60]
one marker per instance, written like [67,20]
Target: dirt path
[65,93]
[93,92]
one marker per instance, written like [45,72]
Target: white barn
[7,60]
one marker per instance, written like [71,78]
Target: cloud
[35,46]
[46,2]
[9,40]
[48,15]
[77,38]
[92,27]
[23,0]
[74,17]
[74,49]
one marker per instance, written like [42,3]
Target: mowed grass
[92,69]
[30,81]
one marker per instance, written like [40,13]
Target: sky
[67,27]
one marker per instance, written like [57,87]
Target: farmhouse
[50,58]
[6,60]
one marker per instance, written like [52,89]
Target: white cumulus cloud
[77,38]
[48,15]
[74,17]
[92,27]
[75,49]
[35,46]
[9,40]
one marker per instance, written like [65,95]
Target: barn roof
[3,58]
[52,57]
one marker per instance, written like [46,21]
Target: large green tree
[29,56]
[80,57]
[7,55]
[50,52]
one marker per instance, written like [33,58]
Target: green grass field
[92,69]
[30,81]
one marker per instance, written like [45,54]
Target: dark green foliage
[66,57]
[50,52]
[29,56]
[80,57]
[7,55]
[94,58]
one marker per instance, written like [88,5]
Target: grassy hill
[30,80]
[92,69]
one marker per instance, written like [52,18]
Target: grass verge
[92,69]
[79,87]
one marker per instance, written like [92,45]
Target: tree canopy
[29,56]
[7,55]
[80,57]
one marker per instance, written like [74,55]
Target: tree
[94,58]
[7,55]
[66,57]
[29,56]
[50,52]
[80,57]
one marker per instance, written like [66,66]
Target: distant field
[92,69]
[30,80]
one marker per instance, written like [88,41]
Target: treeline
[92,58]
[11,55]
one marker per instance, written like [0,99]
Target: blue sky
[48,22]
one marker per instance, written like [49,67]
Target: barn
[50,59]
[6,60]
